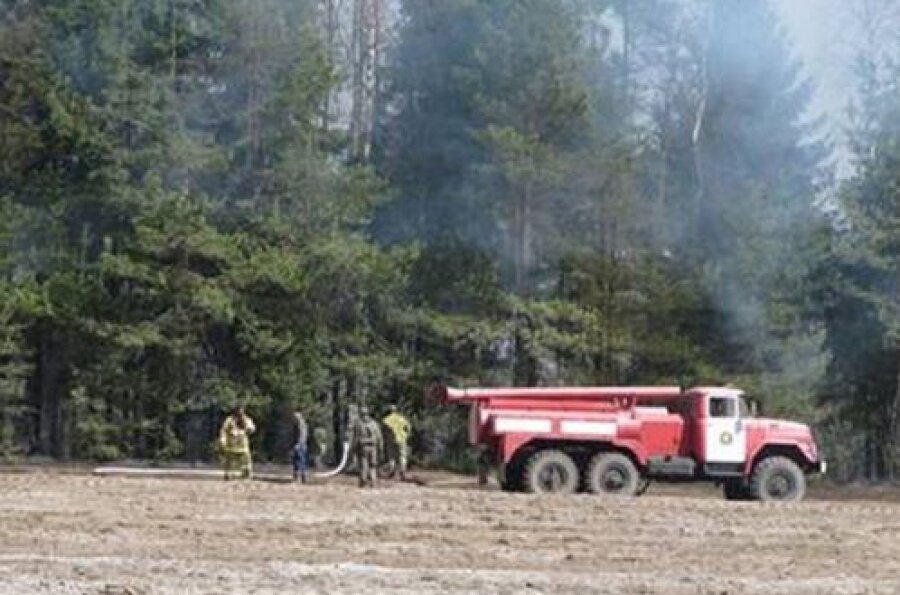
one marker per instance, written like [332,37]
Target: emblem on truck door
[726,438]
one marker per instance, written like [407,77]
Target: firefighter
[400,428]
[299,453]
[368,444]
[234,441]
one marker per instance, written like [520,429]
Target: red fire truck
[614,440]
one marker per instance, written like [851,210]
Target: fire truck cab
[614,440]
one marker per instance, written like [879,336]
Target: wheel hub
[613,480]
[780,486]
[553,477]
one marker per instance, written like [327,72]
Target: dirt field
[73,533]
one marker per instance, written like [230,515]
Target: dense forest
[311,203]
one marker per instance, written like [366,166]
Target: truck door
[726,438]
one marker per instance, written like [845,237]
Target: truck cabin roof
[717,391]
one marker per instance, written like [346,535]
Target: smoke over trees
[322,202]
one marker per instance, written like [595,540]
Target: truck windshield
[722,407]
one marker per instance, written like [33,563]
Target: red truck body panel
[510,417]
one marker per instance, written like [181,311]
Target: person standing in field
[234,440]
[299,454]
[367,444]
[400,427]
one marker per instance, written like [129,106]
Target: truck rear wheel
[777,479]
[551,472]
[612,473]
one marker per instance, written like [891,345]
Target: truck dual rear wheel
[612,473]
[777,479]
[551,472]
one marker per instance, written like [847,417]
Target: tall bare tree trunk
[665,133]
[698,131]
[369,23]
[892,448]
[51,403]
[254,82]
[48,400]
[526,235]
[521,238]
[375,90]
[337,419]
[626,46]
[331,24]
[357,53]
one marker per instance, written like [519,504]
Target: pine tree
[427,143]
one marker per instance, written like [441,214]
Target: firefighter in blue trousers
[299,453]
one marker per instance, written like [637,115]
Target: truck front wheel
[612,473]
[551,472]
[777,479]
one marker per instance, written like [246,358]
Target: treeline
[318,202]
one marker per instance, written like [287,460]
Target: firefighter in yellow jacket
[234,440]
[400,427]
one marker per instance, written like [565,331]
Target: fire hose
[339,468]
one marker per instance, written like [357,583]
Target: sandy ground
[74,533]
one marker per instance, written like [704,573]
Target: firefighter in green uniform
[400,428]
[234,440]
[368,444]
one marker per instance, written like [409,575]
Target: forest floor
[68,532]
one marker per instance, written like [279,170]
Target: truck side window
[722,407]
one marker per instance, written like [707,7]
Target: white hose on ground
[339,468]
[158,472]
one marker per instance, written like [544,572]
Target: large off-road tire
[777,479]
[551,472]
[612,473]
[512,484]
[513,478]
[736,489]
